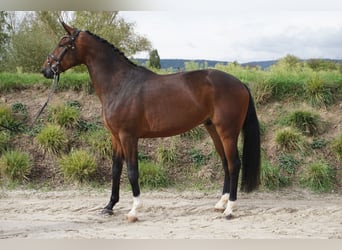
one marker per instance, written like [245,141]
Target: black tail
[251,149]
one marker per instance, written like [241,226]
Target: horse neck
[108,68]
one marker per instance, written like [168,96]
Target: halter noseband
[58,60]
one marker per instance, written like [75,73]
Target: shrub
[306,121]
[65,115]
[15,165]
[271,176]
[4,141]
[318,177]
[317,92]
[152,175]
[78,166]
[52,139]
[337,147]
[289,140]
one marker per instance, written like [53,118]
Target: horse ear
[67,28]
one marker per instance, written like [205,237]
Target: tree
[110,26]
[38,33]
[4,34]
[154,61]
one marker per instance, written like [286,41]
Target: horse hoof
[107,211]
[131,219]
[229,217]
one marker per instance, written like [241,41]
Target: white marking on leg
[230,208]
[222,203]
[137,204]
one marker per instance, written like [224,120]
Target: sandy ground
[168,214]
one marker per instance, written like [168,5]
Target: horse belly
[168,120]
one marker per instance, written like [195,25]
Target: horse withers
[137,103]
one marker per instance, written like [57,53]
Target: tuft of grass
[52,139]
[100,142]
[5,140]
[167,155]
[307,122]
[318,177]
[317,92]
[65,115]
[318,143]
[196,133]
[7,120]
[197,157]
[271,176]
[289,140]
[15,165]
[262,91]
[78,166]
[152,175]
[337,147]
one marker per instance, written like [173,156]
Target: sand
[169,214]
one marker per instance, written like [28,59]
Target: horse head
[64,56]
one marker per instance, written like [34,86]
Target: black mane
[115,49]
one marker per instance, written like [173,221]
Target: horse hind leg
[222,203]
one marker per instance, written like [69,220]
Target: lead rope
[53,89]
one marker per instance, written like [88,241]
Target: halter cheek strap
[54,67]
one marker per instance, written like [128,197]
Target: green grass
[15,165]
[289,140]
[152,175]
[78,166]
[337,147]
[318,177]
[317,92]
[305,121]
[7,119]
[100,142]
[52,139]
[65,115]
[5,140]
[271,176]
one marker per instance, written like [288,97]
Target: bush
[318,177]
[78,166]
[65,115]
[152,175]
[52,139]
[15,165]
[317,92]
[289,140]
[337,147]
[306,121]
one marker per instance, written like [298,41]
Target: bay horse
[138,103]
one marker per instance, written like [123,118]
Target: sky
[242,34]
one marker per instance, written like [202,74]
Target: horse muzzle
[48,73]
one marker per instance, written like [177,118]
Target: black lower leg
[116,175]
[226,185]
[234,178]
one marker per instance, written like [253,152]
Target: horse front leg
[116,175]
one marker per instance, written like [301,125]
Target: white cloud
[242,36]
